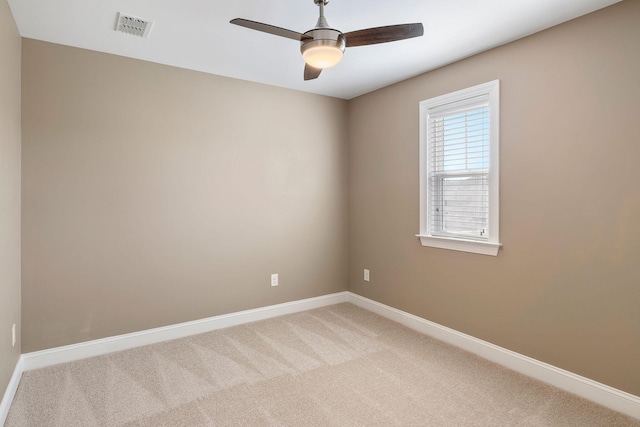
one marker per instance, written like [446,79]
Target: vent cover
[132,25]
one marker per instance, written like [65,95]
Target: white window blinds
[459,170]
[459,173]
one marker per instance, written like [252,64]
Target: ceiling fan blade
[310,72]
[386,34]
[266,28]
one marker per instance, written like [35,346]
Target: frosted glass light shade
[322,56]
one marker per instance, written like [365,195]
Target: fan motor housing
[323,37]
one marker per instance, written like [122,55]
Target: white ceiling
[196,34]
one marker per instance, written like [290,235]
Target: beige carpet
[335,366]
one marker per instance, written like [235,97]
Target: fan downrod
[322,21]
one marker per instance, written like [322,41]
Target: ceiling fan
[322,47]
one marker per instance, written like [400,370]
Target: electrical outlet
[13,335]
[274,280]
[366,275]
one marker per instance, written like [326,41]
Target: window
[459,170]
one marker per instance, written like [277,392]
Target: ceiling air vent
[132,25]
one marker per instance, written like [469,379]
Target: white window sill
[484,248]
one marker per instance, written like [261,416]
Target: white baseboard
[594,391]
[69,353]
[10,392]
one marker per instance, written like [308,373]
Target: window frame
[483,94]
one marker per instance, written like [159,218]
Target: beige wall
[154,195]
[566,287]
[10,48]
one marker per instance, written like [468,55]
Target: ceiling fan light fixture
[322,56]
[324,50]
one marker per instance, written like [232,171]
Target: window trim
[491,92]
